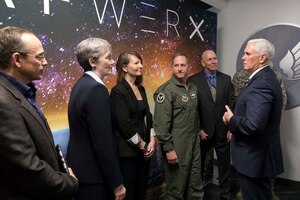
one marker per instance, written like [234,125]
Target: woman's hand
[150,148]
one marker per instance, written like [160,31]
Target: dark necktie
[212,88]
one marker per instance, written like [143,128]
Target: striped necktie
[212,88]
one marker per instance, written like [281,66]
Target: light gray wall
[236,23]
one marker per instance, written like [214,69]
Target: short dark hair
[179,54]
[10,42]
[124,60]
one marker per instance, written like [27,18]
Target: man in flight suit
[176,123]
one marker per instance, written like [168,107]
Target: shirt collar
[176,82]
[95,76]
[256,71]
[28,90]
[208,74]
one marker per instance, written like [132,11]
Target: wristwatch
[144,147]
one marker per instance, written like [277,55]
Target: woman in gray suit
[134,125]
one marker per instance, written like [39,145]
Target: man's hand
[227,115]
[172,157]
[229,136]
[203,135]
[120,192]
[71,173]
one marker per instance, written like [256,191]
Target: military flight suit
[176,124]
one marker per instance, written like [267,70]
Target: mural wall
[154,28]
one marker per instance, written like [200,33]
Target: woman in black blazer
[134,125]
[92,150]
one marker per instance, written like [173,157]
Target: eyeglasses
[41,57]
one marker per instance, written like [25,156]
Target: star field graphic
[154,28]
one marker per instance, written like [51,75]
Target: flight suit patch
[160,98]
[184,98]
[193,95]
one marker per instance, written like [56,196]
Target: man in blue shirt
[29,167]
[214,92]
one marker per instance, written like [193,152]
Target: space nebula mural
[154,28]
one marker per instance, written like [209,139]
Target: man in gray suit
[29,167]
[214,92]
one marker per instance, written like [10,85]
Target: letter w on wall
[118,19]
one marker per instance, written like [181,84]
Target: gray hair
[264,46]
[91,48]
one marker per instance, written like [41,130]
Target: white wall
[236,23]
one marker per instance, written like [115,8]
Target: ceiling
[213,5]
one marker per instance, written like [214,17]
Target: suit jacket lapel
[24,102]
[258,74]
[218,85]
[43,123]
[143,93]
[254,77]
[133,97]
[206,86]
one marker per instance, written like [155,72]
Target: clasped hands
[148,150]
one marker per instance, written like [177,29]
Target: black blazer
[129,118]
[211,112]
[28,161]
[92,151]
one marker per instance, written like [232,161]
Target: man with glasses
[29,167]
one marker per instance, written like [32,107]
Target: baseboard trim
[295,185]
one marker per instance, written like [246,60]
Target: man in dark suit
[214,91]
[29,167]
[255,123]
